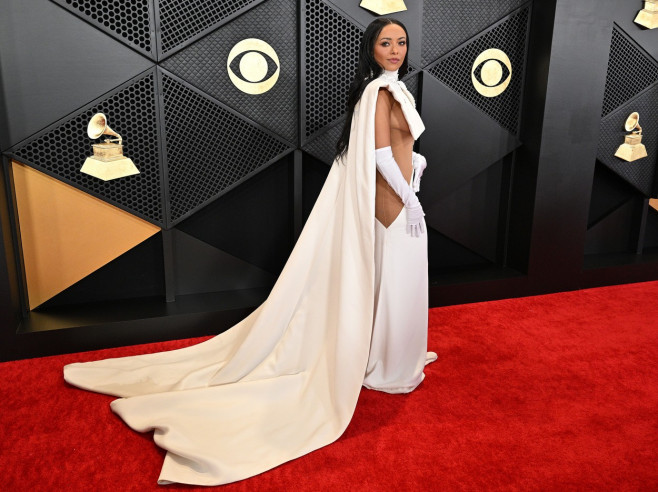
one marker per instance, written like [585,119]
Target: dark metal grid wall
[61,149]
[183,20]
[454,70]
[127,20]
[277,109]
[190,155]
[209,148]
[449,23]
[630,71]
[144,25]
[331,53]
[631,85]
[640,173]
[323,147]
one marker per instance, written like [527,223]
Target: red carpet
[556,392]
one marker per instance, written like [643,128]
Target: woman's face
[391,47]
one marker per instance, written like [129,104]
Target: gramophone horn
[632,121]
[98,126]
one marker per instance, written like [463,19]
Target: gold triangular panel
[67,234]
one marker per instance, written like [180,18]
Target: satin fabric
[398,346]
[285,380]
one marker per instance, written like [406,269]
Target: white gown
[285,380]
[398,347]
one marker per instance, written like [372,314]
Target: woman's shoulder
[385,96]
[378,88]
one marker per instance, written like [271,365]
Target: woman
[285,380]
[399,339]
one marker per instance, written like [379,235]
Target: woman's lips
[394,60]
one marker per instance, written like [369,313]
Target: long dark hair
[367,70]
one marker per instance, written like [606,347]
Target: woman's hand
[415,225]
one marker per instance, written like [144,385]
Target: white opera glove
[390,170]
[419,164]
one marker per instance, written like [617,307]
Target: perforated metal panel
[411,82]
[323,146]
[131,111]
[630,71]
[640,173]
[331,51]
[448,23]
[126,20]
[209,148]
[203,64]
[454,70]
[181,20]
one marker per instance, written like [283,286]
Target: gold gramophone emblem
[108,161]
[648,16]
[383,7]
[632,149]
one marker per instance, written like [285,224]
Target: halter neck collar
[390,75]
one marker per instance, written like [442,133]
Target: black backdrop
[522,194]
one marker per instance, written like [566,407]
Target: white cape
[285,380]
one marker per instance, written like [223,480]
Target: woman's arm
[389,168]
[383,118]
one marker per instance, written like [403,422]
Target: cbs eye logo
[253,66]
[491,72]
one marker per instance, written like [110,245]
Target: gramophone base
[107,170]
[647,18]
[631,152]
[383,7]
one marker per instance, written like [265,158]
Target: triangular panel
[203,64]
[67,234]
[323,146]
[209,147]
[202,268]
[411,18]
[456,153]
[630,71]
[252,222]
[454,70]
[129,21]
[449,23]
[624,14]
[639,173]
[314,174]
[446,255]
[61,149]
[53,63]
[608,193]
[183,21]
[612,234]
[136,274]
[328,75]
[470,215]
